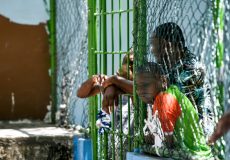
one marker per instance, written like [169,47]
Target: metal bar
[218,14]
[218,19]
[100,37]
[135,48]
[90,111]
[113,114]
[120,34]
[112,37]
[128,137]
[104,26]
[104,33]
[53,57]
[92,59]
[142,50]
[121,128]
[100,70]
[142,32]
[100,45]
[113,12]
[102,52]
[121,115]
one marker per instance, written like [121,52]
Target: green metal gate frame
[53,50]
[138,6]
[218,35]
[102,50]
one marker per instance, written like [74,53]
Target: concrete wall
[72,56]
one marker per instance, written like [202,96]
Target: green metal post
[92,59]
[218,18]
[219,29]
[104,33]
[100,69]
[142,32]
[135,47]
[140,39]
[113,114]
[129,139]
[120,97]
[53,57]
[142,44]
[104,26]
[218,14]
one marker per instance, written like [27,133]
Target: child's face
[147,87]
[123,72]
[125,69]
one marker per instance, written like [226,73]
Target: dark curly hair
[171,32]
[151,68]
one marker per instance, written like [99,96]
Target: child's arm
[91,86]
[110,98]
[122,83]
[222,127]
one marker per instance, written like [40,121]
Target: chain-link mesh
[199,23]
[192,29]
[72,58]
[195,20]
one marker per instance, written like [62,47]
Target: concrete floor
[26,140]
[35,132]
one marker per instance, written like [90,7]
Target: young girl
[184,136]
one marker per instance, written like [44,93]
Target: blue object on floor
[82,148]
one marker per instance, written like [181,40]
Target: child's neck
[159,91]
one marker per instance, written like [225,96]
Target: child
[168,47]
[178,117]
[93,85]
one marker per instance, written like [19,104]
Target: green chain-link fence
[202,26]
[109,37]
[71,60]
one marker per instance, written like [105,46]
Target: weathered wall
[24,64]
[72,57]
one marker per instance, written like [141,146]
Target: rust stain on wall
[24,62]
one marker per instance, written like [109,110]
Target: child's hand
[110,98]
[219,131]
[99,79]
[102,78]
[221,128]
[95,79]
[109,81]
